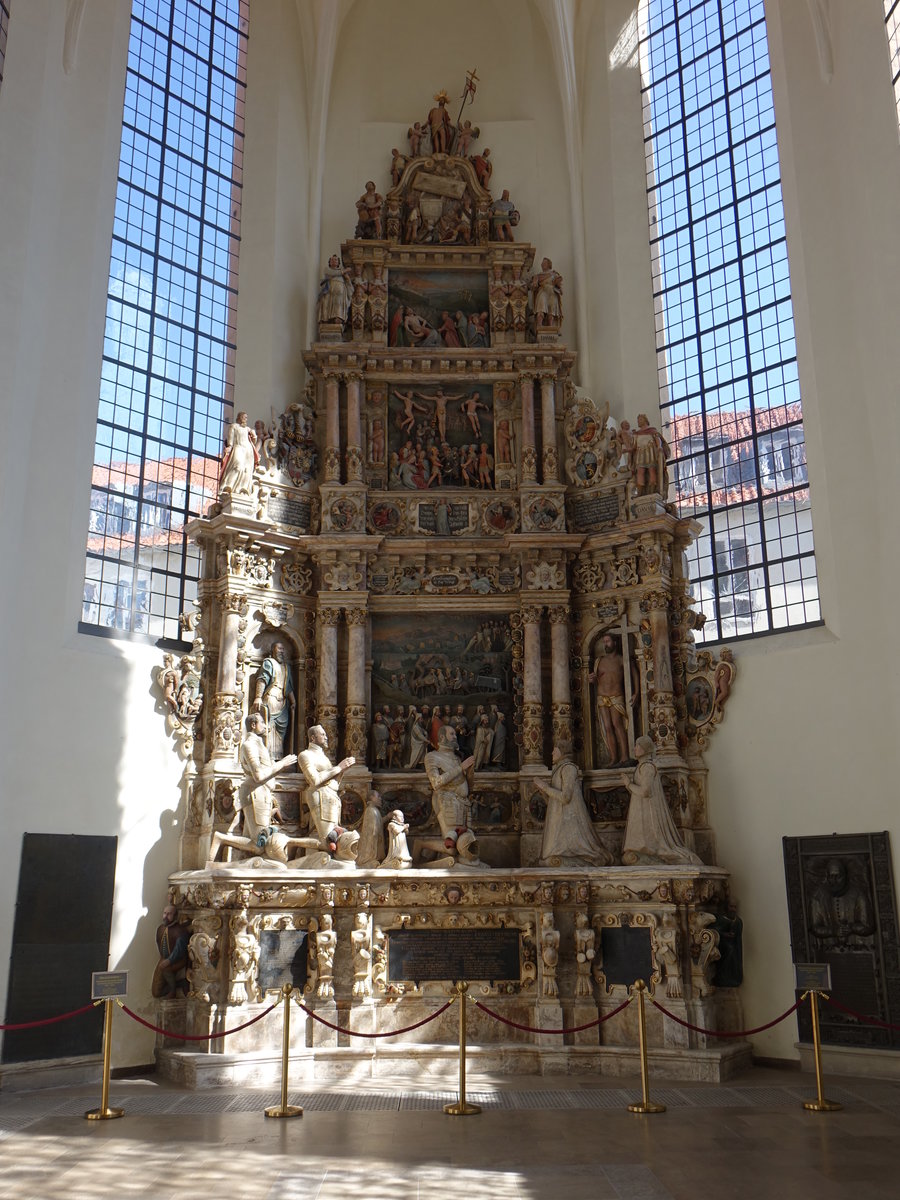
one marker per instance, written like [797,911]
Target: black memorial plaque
[420,955]
[843,913]
[595,511]
[626,955]
[282,958]
[287,510]
[60,937]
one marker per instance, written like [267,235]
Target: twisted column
[532,709]
[548,428]
[332,429]
[561,692]
[354,456]
[355,710]
[529,454]
[326,709]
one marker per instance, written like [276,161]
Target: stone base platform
[440,1063]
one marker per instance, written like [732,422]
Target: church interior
[432,568]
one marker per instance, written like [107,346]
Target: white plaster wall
[82,749]
[808,745]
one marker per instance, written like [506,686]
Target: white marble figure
[371,838]
[326,944]
[549,955]
[335,291]
[398,857]
[584,955]
[665,949]
[240,460]
[450,786]
[650,833]
[569,838]
[322,794]
[361,941]
[256,804]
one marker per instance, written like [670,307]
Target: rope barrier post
[820,1104]
[104,1112]
[645,1105]
[462,1108]
[284,1109]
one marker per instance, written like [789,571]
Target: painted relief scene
[438,309]
[446,670]
[440,437]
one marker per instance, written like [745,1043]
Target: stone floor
[369,1141]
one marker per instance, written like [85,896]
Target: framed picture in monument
[843,913]
[438,309]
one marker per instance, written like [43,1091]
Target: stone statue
[256,803]
[335,294]
[569,838]
[840,911]
[549,955]
[398,857]
[276,700]
[584,955]
[203,951]
[665,949]
[322,795]
[325,946]
[369,207]
[371,839]
[361,941]
[240,460]
[546,293]
[439,124]
[398,165]
[503,218]
[244,961]
[650,833]
[729,970]
[415,133]
[170,974]
[649,455]
[450,786]
[484,168]
[608,676]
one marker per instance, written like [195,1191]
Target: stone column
[355,711]
[332,429]
[548,428]
[529,454]
[561,691]
[354,455]
[326,710]
[226,708]
[532,709]
[655,605]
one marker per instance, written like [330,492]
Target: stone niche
[442,529]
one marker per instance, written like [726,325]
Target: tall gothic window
[726,354]
[892,24]
[4,26]
[168,351]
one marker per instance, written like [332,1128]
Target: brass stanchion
[820,1104]
[104,1112]
[462,1108]
[645,1105]
[284,1109]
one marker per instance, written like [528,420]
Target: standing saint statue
[240,460]
[650,833]
[275,695]
[608,676]
[569,838]
[335,292]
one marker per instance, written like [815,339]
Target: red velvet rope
[76,1012]
[720,1033]
[387,1033]
[861,1016]
[533,1029]
[196,1037]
